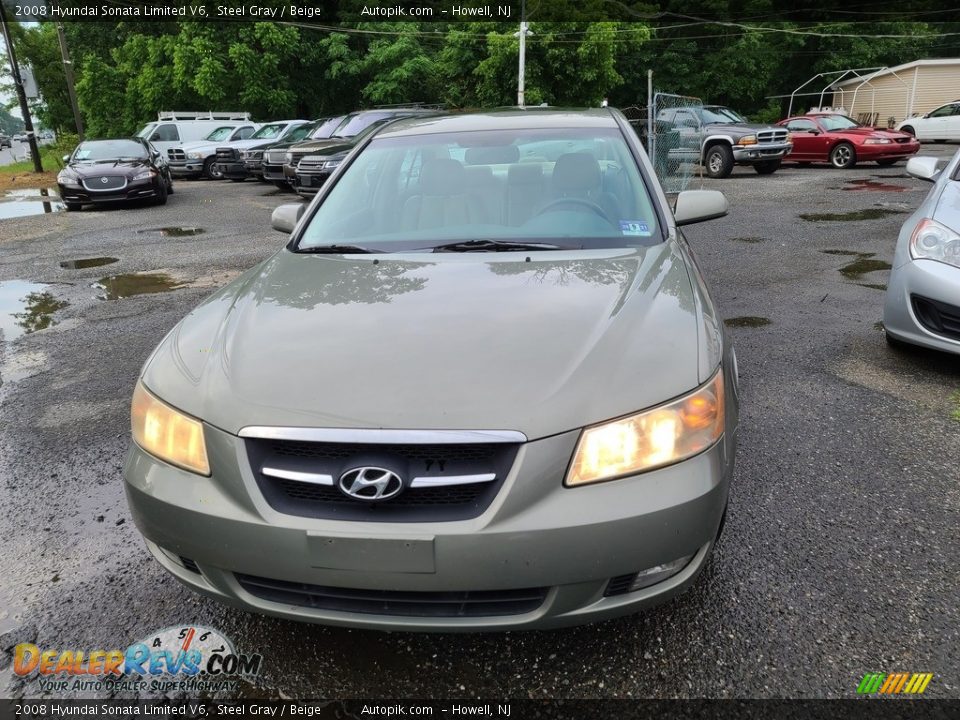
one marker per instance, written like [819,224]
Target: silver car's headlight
[167,433]
[650,439]
[933,241]
[194,155]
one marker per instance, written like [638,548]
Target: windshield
[97,150]
[269,131]
[221,133]
[571,188]
[325,129]
[146,130]
[353,125]
[720,114]
[301,132]
[838,122]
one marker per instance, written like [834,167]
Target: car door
[936,126]
[165,136]
[808,143]
[952,125]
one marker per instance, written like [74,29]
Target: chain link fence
[672,134]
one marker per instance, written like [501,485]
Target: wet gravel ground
[840,553]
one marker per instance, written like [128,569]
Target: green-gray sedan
[484,386]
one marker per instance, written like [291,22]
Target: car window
[326,129]
[945,111]
[301,132]
[358,123]
[718,115]
[267,132]
[573,187]
[801,125]
[147,130]
[101,150]
[243,133]
[166,132]
[838,122]
[221,133]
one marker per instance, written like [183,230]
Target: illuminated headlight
[288,157]
[195,155]
[331,164]
[877,141]
[747,140]
[167,433]
[650,439]
[934,241]
[67,176]
[145,175]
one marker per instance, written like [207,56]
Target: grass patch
[48,156]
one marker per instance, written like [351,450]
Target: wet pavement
[840,550]
[23,202]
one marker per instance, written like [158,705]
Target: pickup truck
[719,138]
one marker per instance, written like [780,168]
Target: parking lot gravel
[840,552]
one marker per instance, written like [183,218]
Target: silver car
[484,386]
[923,296]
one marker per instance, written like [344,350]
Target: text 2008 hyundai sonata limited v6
[484,386]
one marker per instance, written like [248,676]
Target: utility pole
[521,80]
[68,72]
[21,95]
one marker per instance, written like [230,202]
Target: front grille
[296,157]
[771,136]
[937,317]
[311,162]
[619,585]
[275,157]
[426,503]
[99,183]
[226,154]
[190,565]
[469,603]
[176,154]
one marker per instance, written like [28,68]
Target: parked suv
[174,128]
[197,159]
[313,170]
[352,125]
[720,138]
[240,160]
[275,153]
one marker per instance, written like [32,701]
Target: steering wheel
[589,204]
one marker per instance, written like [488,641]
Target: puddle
[115,287]
[891,177]
[747,321]
[873,185]
[873,286]
[867,214]
[862,265]
[175,231]
[749,239]
[23,202]
[26,307]
[841,252]
[84,263]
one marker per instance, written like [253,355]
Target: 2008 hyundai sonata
[484,386]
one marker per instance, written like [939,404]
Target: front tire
[908,130]
[161,198]
[767,167]
[843,156]
[718,161]
[210,169]
[73,207]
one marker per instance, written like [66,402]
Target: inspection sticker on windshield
[635,227]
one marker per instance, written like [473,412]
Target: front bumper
[889,151]
[186,168]
[137,190]
[927,279]
[749,154]
[236,170]
[310,183]
[536,534]
[273,172]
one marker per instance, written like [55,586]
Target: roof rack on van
[208,115]
[418,105]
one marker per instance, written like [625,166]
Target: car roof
[499,119]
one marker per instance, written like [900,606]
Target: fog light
[623,584]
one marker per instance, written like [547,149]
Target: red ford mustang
[842,142]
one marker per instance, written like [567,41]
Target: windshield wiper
[339,250]
[493,246]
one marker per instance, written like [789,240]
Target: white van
[173,128]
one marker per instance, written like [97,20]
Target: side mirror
[923,167]
[695,206]
[66,158]
[285,217]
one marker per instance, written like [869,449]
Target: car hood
[323,145]
[741,128]
[452,341]
[107,168]
[865,132]
[206,145]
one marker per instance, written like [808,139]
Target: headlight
[288,157]
[67,176]
[145,175]
[934,241]
[877,141]
[167,433]
[651,439]
[331,164]
[194,155]
[254,154]
[747,140]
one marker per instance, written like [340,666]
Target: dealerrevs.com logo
[894,683]
[189,657]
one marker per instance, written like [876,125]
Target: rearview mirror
[695,206]
[285,217]
[923,168]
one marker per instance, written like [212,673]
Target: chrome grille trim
[298,476]
[380,436]
[452,480]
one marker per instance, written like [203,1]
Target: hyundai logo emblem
[104,180]
[370,483]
